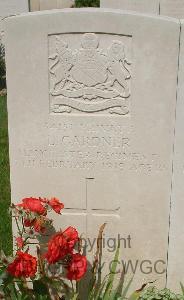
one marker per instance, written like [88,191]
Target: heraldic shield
[89,79]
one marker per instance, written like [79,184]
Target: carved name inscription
[89,146]
[93,77]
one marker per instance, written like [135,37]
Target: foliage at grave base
[59,266]
[153,293]
[87,3]
[59,270]
[2,68]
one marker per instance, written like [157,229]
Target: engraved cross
[88,210]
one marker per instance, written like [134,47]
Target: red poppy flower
[33,205]
[20,242]
[61,244]
[38,224]
[28,223]
[77,267]
[57,248]
[56,205]
[24,265]
[71,236]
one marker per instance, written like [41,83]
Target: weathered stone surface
[11,7]
[65,3]
[8,8]
[143,6]
[34,5]
[50,4]
[176,244]
[91,121]
[172,8]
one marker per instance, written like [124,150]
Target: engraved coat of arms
[89,79]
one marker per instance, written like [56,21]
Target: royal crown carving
[89,79]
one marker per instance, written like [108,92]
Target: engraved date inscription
[90,146]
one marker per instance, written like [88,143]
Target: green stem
[72,287]
[20,233]
[23,227]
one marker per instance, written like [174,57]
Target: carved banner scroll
[89,75]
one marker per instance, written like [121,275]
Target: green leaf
[134,296]
[13,291]
[112,275]
[95,278]
[40,288]
[24,293]
[41,297]
[8,279]
[137,293]
[3,276]
[98,293]
[75,297]
[125,291]
[119,289]
[182,288]
[60,286]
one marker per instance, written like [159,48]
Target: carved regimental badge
[89,79]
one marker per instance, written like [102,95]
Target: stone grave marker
[91,121]
[36,5]
[172,8]
[11,7]
[47,4]
[143,6]
[176,245]
[65,3]
[8,8]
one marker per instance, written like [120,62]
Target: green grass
[5,219]
[87,3]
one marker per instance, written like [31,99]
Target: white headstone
[172,8]
[48,4]
[8,8]
[65,3]
[54,4]
[34,5]
[176,244]
[11,7]
[91,121]
[143,6]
